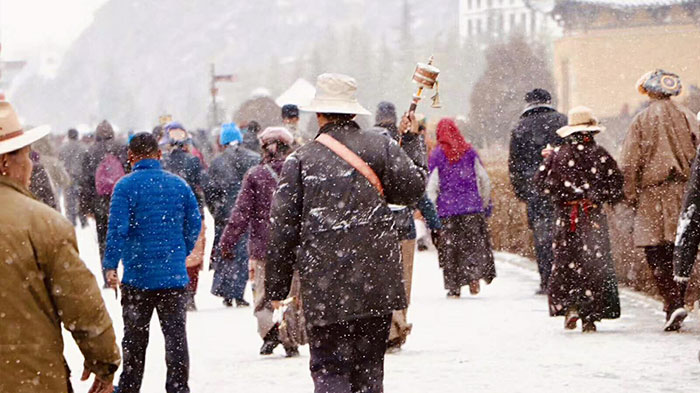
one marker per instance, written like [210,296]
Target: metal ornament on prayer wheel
[425,76]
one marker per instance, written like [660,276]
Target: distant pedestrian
[180,161]
[41,185]
[252,213]
[536,129]
[72,154]
[462,188]
[221,188]
[250,137]
[290,120]
[103,165]
[331,222]
[43,284]
[154,223]
[581,177]
[656,158]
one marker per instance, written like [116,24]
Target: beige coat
[656,157]
[44,284]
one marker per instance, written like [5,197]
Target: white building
[498,19]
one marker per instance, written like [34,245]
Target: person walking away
[290,120]
[655,160]
[324,206]
[252,213]
[221,188]
[154,223]
[407,231]
[71,155]
[41,185]
[181,162]
[103,165]
[250,137]
[536,129]
[44,283]
[462,190]
[581,177]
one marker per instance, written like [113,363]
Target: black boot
[291,352]
[228,302]
[242,303]
[271,341]
[191,306]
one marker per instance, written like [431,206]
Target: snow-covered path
[500,341]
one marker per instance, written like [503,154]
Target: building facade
[608,44]
[498,19]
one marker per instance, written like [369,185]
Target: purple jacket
[458,184]
[252,211]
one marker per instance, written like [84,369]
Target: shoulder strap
[273,173]
[353,159]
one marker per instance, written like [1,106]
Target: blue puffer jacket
[154,222]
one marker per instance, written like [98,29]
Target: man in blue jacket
[154,222]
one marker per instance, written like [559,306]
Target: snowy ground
[500,341]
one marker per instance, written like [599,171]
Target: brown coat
[43,284]
[655,161]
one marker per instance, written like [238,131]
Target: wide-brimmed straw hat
[12,135]
[336,93]
[581,119]
[660,82]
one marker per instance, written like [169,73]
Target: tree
[512,69]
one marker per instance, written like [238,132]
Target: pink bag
[108,174]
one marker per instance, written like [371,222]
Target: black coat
[91,160]
[189,168]
[329,223]
[536,128]
[688,232]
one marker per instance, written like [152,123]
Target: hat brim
[26,139]
[570,130]
[329,106]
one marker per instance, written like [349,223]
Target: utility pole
[214,91]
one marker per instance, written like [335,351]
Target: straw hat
[581,119]
[336,93]
[12,136]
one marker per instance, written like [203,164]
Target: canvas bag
[108,174]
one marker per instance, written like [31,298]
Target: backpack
[108,174]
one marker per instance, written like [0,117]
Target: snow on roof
[300,93]
[632,3]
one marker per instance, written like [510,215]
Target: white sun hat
[581,119]
[336,93]
[12,135]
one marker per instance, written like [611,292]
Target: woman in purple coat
[462,188]
[252,211]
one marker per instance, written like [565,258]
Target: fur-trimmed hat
[660,83]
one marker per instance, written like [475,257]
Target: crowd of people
[289,214]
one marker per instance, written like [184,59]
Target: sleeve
[405,172]
[118,228]
[631,163]
[241,216]
[427,209]
[285,229]
[73,290]
[688,232]
[193,219]
[483,183]
[433,188]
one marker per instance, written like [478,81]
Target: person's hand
[276,304]
[98,385]
[112,278]
[251,273]
[408,124]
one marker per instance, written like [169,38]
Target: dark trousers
[660,260]
[73,212]
[542,226]
[101,211]
[348,357]
[137,309]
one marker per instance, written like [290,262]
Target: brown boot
[571,319]
[588,327]
[474,287]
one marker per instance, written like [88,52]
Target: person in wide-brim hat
[581,119]
[336,93]
[12,135]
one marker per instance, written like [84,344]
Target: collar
[7,182]
[148,163]
[351,125]
[537,107]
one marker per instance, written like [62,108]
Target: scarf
[451,140]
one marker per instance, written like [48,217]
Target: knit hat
[661,83]
[230,133]
[272,134]
[290,111]
[386,112]
[538,96]
[104,131]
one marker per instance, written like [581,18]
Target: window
[469,4]
[478,26]
[512,22]
[469,28]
